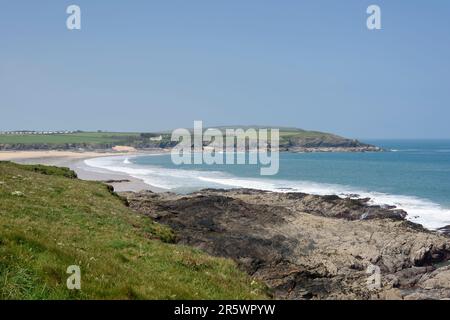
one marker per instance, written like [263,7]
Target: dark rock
[445,230]
[308,247]
[116,181]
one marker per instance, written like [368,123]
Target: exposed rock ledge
[309,247]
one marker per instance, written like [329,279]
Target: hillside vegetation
[50,220]
[88,140]
[290,138]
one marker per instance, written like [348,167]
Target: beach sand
[75,161]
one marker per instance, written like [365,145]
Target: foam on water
[170,179]
[431,215]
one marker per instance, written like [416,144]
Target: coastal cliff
[311,141]
[308,247]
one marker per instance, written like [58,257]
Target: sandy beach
[75,161]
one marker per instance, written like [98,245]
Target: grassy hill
[78,137]
[50,220]
[289,138]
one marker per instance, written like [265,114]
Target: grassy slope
[56,221]
[82,137]
[125,138]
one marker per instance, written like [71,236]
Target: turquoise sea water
[414,175]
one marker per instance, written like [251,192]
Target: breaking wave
[431,215]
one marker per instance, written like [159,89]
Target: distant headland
[291,140]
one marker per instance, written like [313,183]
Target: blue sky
[151,65]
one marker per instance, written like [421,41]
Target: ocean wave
[431,215]
[407,150]
[170,179]
[422,211]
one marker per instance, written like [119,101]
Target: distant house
[25,132]
[156,138]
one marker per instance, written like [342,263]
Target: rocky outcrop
[323,142]
[309,247]
[445,230]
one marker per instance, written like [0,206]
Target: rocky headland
[309,247]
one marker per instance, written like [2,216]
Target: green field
[115,137]
[76,138]
[50,220]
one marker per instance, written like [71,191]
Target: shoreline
[418,210]
[75,161]
[301,246]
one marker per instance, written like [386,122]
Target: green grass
[50,170]
[50,220]
[78,138]
[117,137]
[288,134]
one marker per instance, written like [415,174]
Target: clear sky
[152,65]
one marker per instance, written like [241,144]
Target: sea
[413,175]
